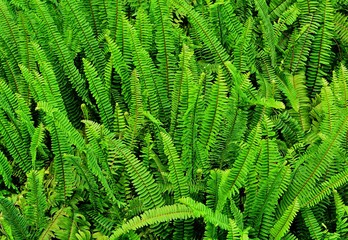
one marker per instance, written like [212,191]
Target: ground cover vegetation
[173,119]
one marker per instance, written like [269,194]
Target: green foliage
[173,119]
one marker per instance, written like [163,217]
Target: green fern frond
[305,180]
[325,189]
[99,93]
[286,19]
[267,198]
[179,98]
[165,43]
[5,170]
[9,28]
[36,203]
[341,26]
[244,49]
[144,28]
[308,7]
[312,223]
[36,143]
[62,123]
[8,101]
[233,25]
[13,219]
[83,171]
[200,210]
[142,179]
[149,77]
[137,108]
[14,144]
[103,224]
[329,109]
[176,168]
[237,175]
[301,101]
[89,42]
[60,146]
[341,215]
[61,50]
[340,86]
[121,68]
[267,29]
[214,113]
[234,233]
[300,42]
[119,122]
[277,8]
[206,34]
[283,224]
[49,79]
[118,29]
[153,216]
[320,57]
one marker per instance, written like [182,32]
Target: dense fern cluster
[173,119]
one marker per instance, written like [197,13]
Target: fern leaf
[325,189]
[165,43]
[14,144]
[176,168]
[214,112]
[121,68]
[36,142]
[267,198]
[320,57]
[61,50]
[312,223]
[5,170]
[341,26]
[200,210]
[8,101]
[88,40]
[300,43]
[238,173]
[142,179]
[88,178]
[283,224]
[341,215]
[304,181]
[149,77]
[36,203]
[60,120]
[179,94]
[99,93]
[54,224]
[153,216]
[12,217]
[144,28]
[207,36]
[267,28]
[60,146]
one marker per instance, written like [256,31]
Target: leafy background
[173,119]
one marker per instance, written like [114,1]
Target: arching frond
[153,216]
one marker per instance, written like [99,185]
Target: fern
[142,179]
[6,170]
[99,93]
[173,119]
[153,216]
[16,224]
[36,200]
[282,225]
